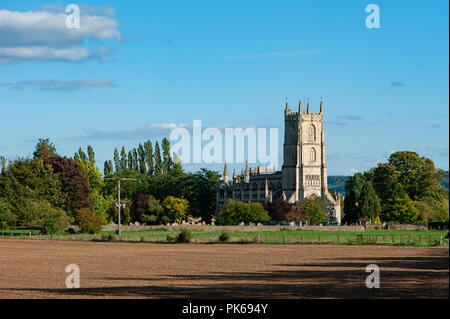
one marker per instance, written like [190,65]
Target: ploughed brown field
[36,269]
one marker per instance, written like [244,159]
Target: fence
[431,239]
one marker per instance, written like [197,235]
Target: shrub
[224,237]
[185,236]
[170,239]
[149,219]
[88,221]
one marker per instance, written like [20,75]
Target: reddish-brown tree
[74,183]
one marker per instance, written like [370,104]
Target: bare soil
[36,269]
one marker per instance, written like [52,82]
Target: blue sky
[147,66]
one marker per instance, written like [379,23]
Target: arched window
[312,154]
[312,133]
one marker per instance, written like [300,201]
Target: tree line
[50,192]
[406,190]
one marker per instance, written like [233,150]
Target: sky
[135,70]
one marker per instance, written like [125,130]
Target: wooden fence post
[440,241]
[430,240]
[338,237]
[319,237]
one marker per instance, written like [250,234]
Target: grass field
[285,236]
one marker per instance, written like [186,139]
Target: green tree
[41,214]
[91,154]
[369,203]
[44,149]
[418,175]
[141,159]
[130,161]
[123,160]
[167,160]
[6,217]
[234,212]
[157,159]
[116,160]
[3,165]
[201,191]
[90,170]
[316,211]
[384,179]
[149,157]
[88,221]
[175,208]
[353,187]
[107,168]
[400,208]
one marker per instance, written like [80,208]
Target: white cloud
[58,85]
[43,35]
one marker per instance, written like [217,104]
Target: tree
[201,192]
[6,217]
[157,158]
[73,181]
[116,160]
[3,165]
[418,175]
[139,206]
[44,149]
[400,208]
[353,187]
[167,161]
[41,214]
[130,161]
[135,160]
[149,157]
[123,160]
[107,170]
[316,210]
[369,203]
[297,213]
[28,178]
[234,212]
[91,154]
[278,209]
[90,170]
[384,179]
[175,208]
[103,206]
[141,159]
[154,212]
[88,221]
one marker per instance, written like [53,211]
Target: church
[302,176]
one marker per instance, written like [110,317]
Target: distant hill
[337,183]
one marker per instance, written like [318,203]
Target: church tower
[304,171]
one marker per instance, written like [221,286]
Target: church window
[312,133]
[312,154]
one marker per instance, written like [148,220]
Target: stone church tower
[303,174]
[304,171]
